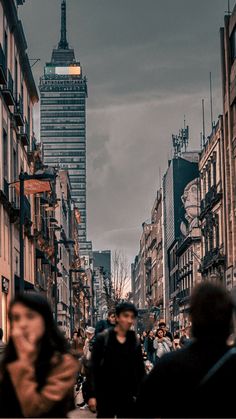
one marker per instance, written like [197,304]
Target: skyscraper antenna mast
[203,124]
[211,102]
[63,44]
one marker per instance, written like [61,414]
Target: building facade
[213,198]
[228,60]
[102,283]
[18,94]
[188,254]
[181,170]
[63,93]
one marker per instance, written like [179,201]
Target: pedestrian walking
[108,323]
[161,344]
[176,342]
[203,371]
[77,343]
[2,345]
[117,367]
[86,365]
[38,373]
[167,333]
[185,337]
[151,351]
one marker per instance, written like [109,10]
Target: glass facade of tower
[63,92]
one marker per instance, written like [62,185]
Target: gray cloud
[147,65]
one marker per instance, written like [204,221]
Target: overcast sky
[147,64]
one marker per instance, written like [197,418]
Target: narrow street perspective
[117,208]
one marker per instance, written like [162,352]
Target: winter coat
[20,397]
[162,346]
[185,369]
[116,373]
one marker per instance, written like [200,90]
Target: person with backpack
[117,367]
[106,324]
[203,371]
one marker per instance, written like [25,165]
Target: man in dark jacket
[106,324]
[117,367]
[179,375]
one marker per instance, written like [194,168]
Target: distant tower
[63,93]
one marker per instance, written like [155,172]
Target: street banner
[33,186]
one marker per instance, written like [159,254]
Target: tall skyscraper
[63,93]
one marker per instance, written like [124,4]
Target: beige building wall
[14,154]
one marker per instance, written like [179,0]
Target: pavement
[82,414]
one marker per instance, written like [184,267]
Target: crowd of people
[157,342]
[121,374]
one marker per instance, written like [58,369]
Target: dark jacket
[177,378]
[103,325]
[117,372]
[2,349]
[20,397]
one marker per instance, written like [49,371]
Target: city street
[117,208]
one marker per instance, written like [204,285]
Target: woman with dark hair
[37,373]
[78,341]
[162,344]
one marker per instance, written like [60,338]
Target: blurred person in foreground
[204,370]
[2,344]
[117,367]
[37,373]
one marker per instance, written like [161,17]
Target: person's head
[162,325]
[145,333]
[90,331]
[1,333]
[111,316]
[126,314]
[160,333]
[211,309]
[151,334]
[31,315]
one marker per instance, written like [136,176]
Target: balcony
[211,198]
[214,257]
[24,134]
[3,67]
[7,90]
[19,113]
[183,296]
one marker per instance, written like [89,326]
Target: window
[5,155]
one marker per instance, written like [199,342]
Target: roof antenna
[203,124]
[211,102]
